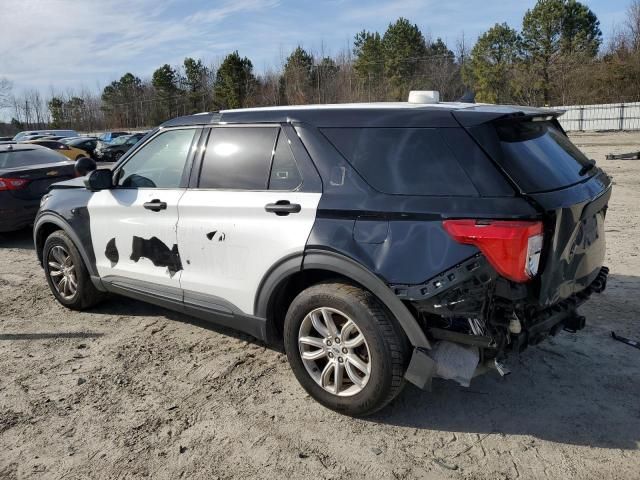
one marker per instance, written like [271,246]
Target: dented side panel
[134,242]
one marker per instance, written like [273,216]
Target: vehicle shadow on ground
[128,307]
[21,239]
[580,389]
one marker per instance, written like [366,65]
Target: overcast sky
[71,43]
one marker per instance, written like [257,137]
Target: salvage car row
[34,160]
[107,147]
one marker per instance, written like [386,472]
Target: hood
[73,183]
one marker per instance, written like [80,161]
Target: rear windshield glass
[539,157]
[403,161]
[25,158]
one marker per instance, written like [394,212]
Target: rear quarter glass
[537,156]
[403,161]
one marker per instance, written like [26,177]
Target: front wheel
[67,274]
[344,348]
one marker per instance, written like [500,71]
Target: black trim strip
[200,305]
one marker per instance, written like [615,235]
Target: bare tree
[5,93]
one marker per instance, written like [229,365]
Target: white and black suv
[377,243]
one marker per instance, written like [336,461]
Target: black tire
[117,156]
[388,346]
[86,294]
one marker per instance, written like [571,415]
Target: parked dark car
[111,152]
[72,153]
[26,171]
[56,138]
[378,243]
[88,144]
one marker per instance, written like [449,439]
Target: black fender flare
[345,266]
[269,285]
[50,217]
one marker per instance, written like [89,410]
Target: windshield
[25,158]
[21,135]
[120,140]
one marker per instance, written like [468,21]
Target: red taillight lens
[13,183]
[512,247]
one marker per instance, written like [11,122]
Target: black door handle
[155,205]
[283,207]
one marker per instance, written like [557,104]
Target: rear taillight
[512,247]
[13,183]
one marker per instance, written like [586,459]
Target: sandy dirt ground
[132,391]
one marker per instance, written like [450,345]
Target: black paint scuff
[158,252]
[221,237]
[111,252]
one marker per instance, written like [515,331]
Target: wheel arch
[299,271]
[50,222]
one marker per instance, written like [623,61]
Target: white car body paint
[119,213]
[248,240]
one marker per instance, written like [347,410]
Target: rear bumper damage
[476,321]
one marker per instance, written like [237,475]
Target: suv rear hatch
[533,151]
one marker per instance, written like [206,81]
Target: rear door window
[238,158]
[537,155]
[403,161]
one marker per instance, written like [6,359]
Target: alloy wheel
[334,351]
[62,272]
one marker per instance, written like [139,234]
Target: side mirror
[99,180]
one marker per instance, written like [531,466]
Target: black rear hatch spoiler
[477,115]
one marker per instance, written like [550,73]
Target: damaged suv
[377,243]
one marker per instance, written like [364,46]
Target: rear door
[133,226]
[252,204]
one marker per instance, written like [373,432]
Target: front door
[247,212]
[133,225]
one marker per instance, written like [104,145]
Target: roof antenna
[468,97]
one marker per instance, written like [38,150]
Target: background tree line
[557,58]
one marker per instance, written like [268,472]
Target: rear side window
[26,158]
[403,161]
[539,156]
[238,158]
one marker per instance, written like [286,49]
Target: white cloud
[69,42]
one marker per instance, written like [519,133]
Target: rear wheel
[67,274]
[117,156]
[344,348]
